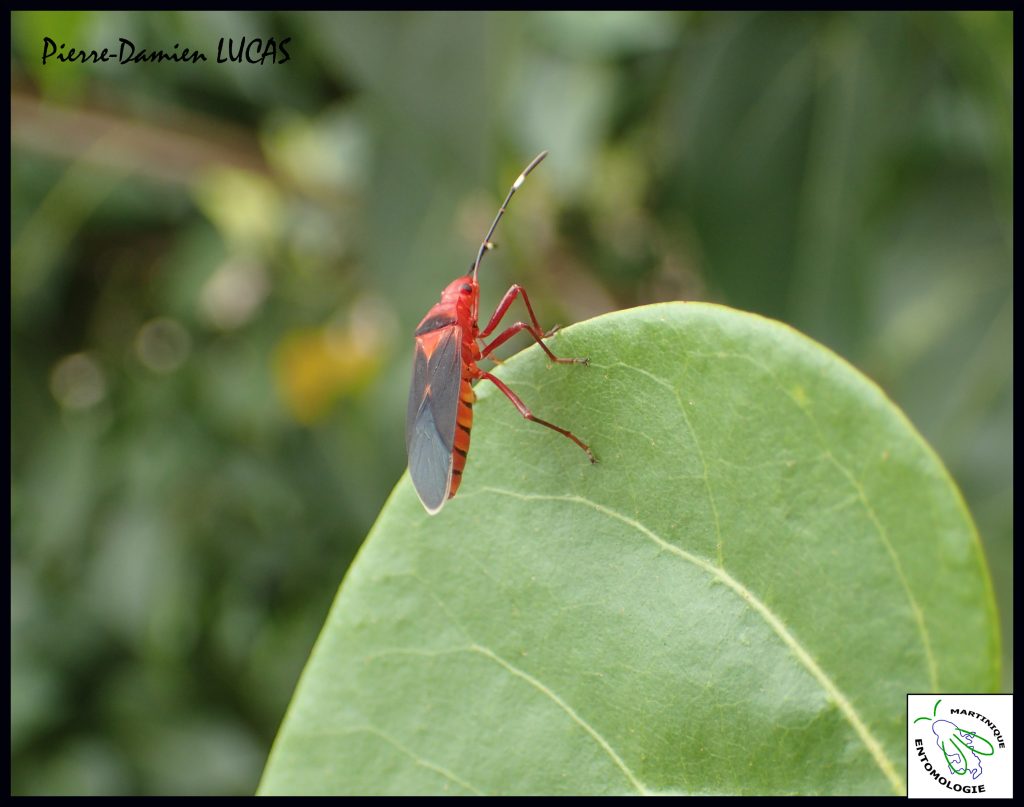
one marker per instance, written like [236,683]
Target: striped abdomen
[463,424]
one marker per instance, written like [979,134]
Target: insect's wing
[430,418]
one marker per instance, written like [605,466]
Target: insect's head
[461,290]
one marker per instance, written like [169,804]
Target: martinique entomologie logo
[959,745]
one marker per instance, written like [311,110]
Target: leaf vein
[540,687]
[534,682]
[847,709]
[883,535]
[696,442]
[421,761]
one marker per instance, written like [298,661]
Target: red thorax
[458,306]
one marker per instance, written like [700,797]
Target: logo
[958,746]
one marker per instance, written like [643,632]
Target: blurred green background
[216,269]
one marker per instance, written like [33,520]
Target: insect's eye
[466,288]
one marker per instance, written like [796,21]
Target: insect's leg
[508,333]
[535,330]
[506,301]
[526,413]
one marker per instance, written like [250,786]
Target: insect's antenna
[515,186]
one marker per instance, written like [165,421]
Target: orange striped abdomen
[463,424]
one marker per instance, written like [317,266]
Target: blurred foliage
[216,269]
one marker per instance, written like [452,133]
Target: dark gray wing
[430,417]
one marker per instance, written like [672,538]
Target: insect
[449,343]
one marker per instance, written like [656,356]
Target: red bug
[440,413]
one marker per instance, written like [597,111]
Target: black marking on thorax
[435,323]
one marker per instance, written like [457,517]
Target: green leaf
[736,599]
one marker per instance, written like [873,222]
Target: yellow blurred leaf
[315,367]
